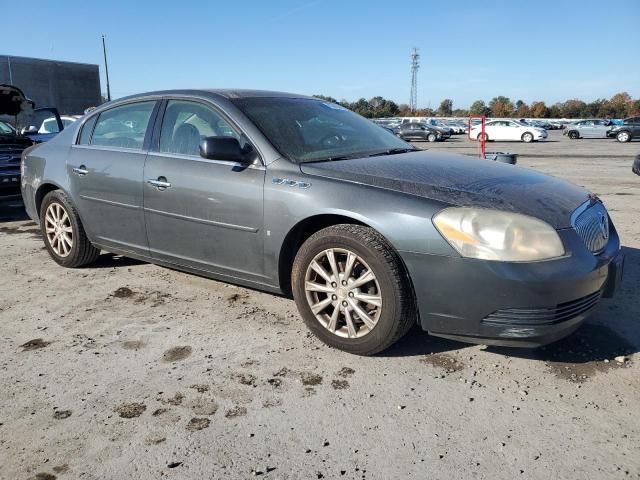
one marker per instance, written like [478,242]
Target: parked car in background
[12,144]
[589,128]
[500,130]
[295,195]
[629,130]
[440,125]
[422,131]
[458,126]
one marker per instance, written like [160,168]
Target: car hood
[462,181]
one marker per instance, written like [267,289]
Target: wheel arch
[41,192]
[302,230]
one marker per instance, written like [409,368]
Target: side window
[186,123]
[87,130]
[124,126]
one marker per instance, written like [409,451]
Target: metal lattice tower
[415,65]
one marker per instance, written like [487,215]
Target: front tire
[63,233]
[432,137]
[527,137]
[623,137]
[486,137]
[574,135]
[352,289]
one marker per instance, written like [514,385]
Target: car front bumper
[513,304]
[9,183]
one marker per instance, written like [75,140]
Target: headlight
[495,235]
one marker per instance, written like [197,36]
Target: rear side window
[87,130]
[123,127]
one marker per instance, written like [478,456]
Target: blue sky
[548,50]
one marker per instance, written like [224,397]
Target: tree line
[621,105]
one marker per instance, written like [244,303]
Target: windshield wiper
[393,151]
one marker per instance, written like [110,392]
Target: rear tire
[527,137]
[63,233]
[386,298]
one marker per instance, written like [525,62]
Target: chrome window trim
[196,158]
[111,149]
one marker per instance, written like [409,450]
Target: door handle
[81,170]
[161,183]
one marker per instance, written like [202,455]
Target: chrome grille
[592,225]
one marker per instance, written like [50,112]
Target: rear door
[204,214]
[105,168]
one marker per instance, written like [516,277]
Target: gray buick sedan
[298,196]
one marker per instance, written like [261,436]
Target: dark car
[626,132]
[296,195]
[14,105]
[636,165]
[11,147]
[421,131]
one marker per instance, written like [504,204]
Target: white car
[50,125]
[509,130]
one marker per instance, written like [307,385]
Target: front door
[105,169]
[200,213]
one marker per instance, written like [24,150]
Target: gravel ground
[130,370]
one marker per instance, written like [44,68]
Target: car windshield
[6,129]
[309,130]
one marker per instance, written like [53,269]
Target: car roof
[227,93]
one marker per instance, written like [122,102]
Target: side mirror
[222,148]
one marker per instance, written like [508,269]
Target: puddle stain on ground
[204,407]
[132,344]
[176,354]
[35,344]
[130,410]
[200,388]
[64,468]
[196,424]
[244,379]
[175,400]
[33,232]
[43,476]
[346,372]
[442,360]
[591,350]
[61,414]
[236,412]
[154,440]
[339,384]
[310,379]
[155,298]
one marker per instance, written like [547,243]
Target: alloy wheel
[623,137]
[343,293]
[58,229]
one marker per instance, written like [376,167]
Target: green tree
[479,108]
[446,107]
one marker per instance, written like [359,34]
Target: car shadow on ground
[612,331]
[12,210]
[111,260]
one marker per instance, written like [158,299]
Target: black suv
[626,132]
[421,131]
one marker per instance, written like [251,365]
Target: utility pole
[106,69]
[415,65]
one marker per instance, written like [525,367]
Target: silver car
[299,196]
[591,128]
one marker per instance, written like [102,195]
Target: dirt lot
[128,370]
